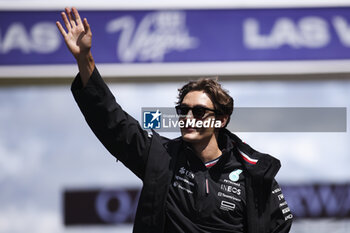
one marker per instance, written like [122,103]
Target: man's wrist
[86,65]
[85,58]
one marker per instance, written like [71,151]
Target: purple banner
[29,38]
[100,207]
[118,206]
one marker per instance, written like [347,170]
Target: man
[207,180]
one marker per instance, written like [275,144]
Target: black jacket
[153,158]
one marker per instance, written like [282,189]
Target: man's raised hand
[78,40]
[78,34]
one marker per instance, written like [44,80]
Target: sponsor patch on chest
[234,175]
[227,206]
[231,189]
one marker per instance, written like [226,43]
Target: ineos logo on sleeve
[184,171]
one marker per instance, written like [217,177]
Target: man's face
[193,134]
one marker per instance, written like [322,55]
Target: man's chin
[190,137]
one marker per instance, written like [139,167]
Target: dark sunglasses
[197,111]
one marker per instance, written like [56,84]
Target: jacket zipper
[206,185]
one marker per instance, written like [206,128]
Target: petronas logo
[234,176]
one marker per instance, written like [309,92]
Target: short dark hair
[223,102]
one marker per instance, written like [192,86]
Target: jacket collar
[259,165]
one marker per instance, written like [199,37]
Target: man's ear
[223,120]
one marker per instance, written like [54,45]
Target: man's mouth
[189,129]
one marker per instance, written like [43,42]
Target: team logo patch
[225,205]
[234,176]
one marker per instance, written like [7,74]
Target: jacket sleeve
[281,216]
[117,130]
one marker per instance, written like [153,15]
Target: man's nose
[189,114]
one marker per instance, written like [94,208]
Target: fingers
[71,21]
[63,32]
[86,26]
[70,17]
[76,16]
[66,22]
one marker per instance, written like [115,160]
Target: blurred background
[56,177]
